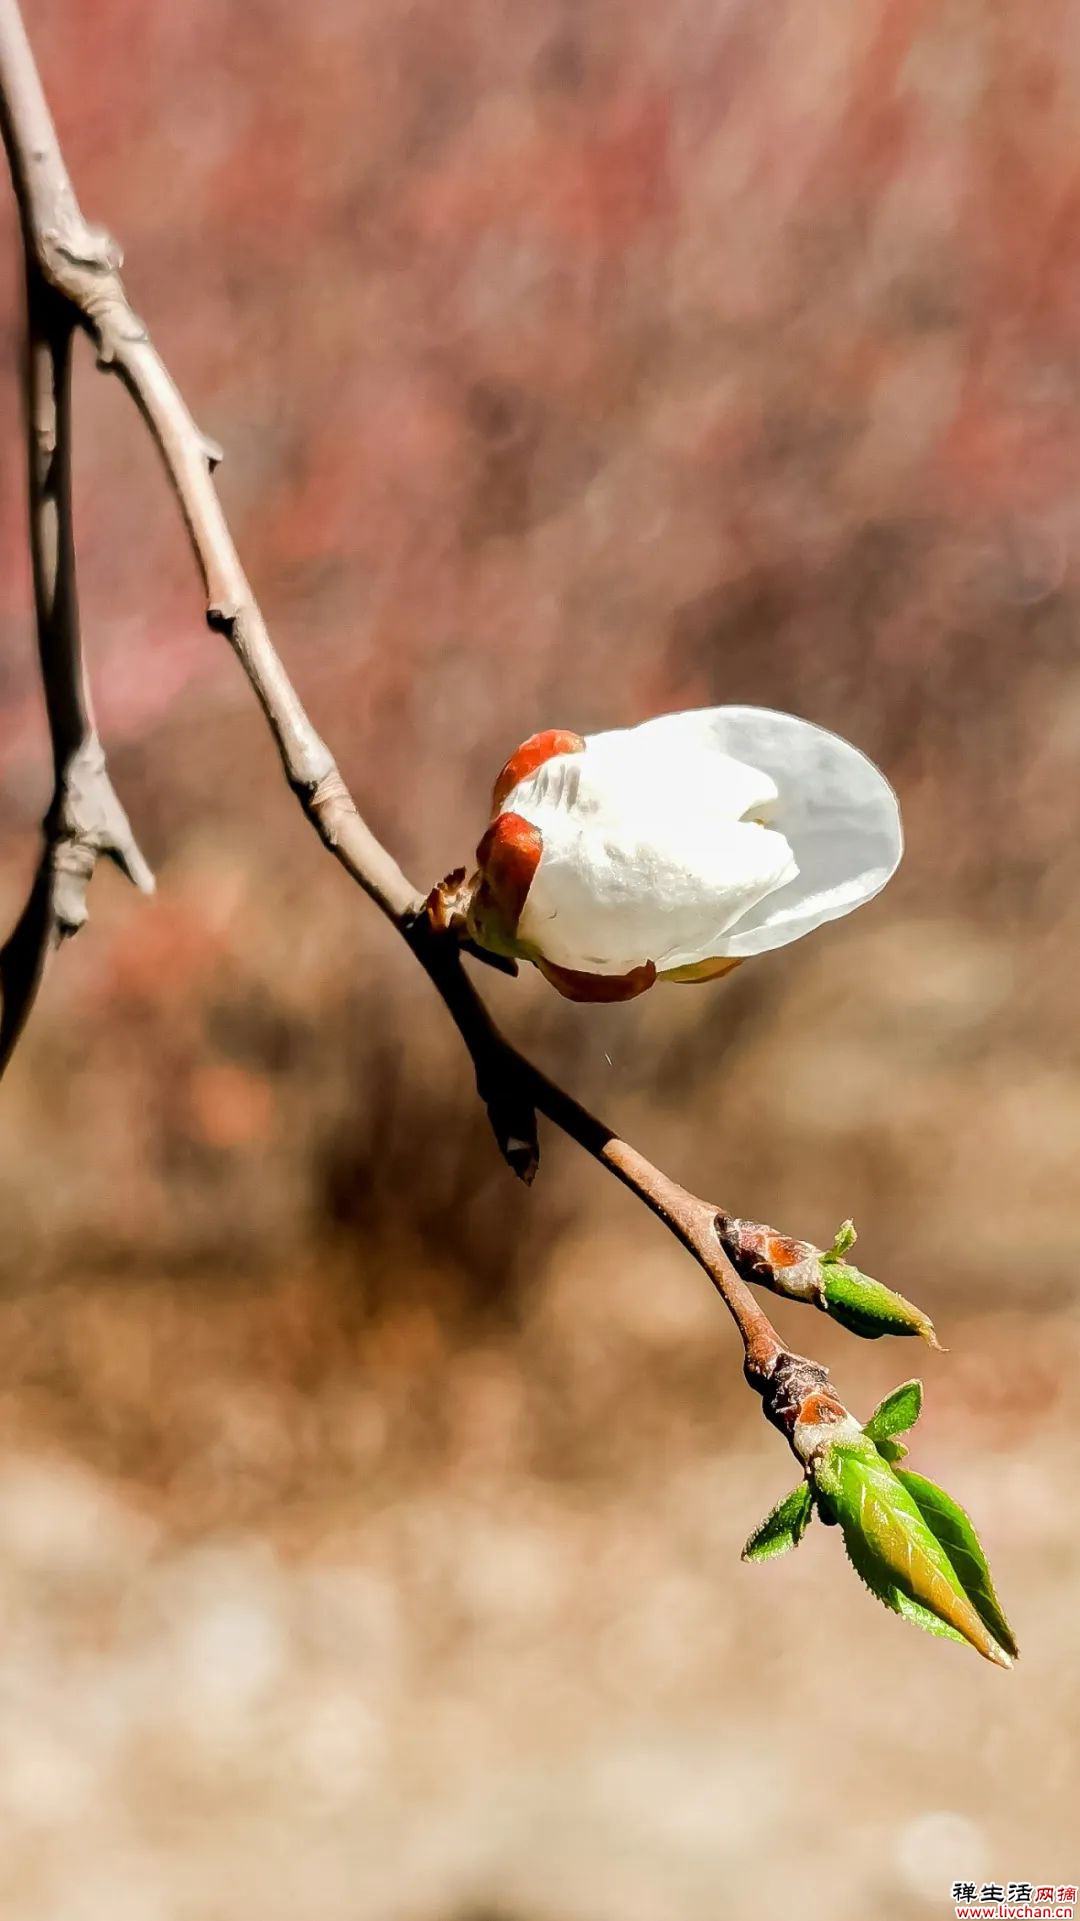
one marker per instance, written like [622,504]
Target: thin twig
[500,1067]
[85,819]
[80,264]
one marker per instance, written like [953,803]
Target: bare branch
[85,819]
[81,266]
[501,1071]
[918,1554]
[81,263]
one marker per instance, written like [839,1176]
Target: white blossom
[690,842]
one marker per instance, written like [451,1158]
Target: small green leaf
[891,1451]
[947,1520]
[874,1577]
[898,1412]
[845,1237]
[868,1308]
[892,1547]
[922,1617]
[783,1528]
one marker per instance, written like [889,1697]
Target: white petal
[836,809]
[613,890]
[678,763]
[648,854]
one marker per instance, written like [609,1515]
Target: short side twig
[85,819]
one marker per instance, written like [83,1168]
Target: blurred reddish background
[369,1527]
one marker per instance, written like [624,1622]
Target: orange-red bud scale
[508,857]
[529,756]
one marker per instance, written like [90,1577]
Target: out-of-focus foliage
[368,1527]
[569,366]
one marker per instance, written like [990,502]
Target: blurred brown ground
[369,1527]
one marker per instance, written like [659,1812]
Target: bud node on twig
[791,1382]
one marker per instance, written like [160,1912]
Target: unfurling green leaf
[896,1552]
[799,1271]
[870,1572]
[947,1520]
[895,1415]
[844,1238]
[783,1528]
[922,1618]
[868,1308]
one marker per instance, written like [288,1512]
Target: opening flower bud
[676,849]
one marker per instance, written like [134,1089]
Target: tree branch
[503,1073]
[79,266]
[85,819]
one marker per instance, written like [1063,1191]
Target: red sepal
[529,756]
[598,987]
[508,857]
